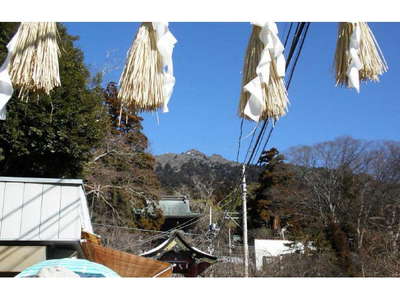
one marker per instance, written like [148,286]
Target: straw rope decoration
[34,65]
[32,62]
[264,93]
[358,56]
[147,80]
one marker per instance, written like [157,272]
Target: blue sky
[208,61]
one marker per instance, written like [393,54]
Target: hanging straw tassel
[34,63]
[358,56]
[141,83]
[253,55]
[264,93]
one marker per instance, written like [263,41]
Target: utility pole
[211,232]
[229,239]
[245,243]
[210,217]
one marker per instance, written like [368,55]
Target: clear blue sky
[208,61]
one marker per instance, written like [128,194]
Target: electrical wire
[134,228]
[298,55]
[262,131]
[240,140]
[299,32]
[288,34]
[266,141]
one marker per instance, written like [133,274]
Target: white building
[40,219]
[274,248]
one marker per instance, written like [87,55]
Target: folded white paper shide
[6,88]
[355,63]
[273,50]
[165,46]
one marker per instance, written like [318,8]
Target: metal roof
[42,209]
[41,180]
[176,206]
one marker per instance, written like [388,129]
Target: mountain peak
[177,160]
[194,152]
[185,172]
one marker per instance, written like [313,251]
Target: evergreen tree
[265,207]
[52,136]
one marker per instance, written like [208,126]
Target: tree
[52,136]
[265,207]
[121,183]
[350,199]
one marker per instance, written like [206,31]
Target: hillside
[201,176]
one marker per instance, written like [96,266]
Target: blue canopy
[82,267]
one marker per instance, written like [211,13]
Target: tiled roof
[176,206]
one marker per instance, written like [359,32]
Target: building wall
[46,211]
[18,258]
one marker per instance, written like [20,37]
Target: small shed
[40,218]
[187,260]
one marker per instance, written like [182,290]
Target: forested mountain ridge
[177,160]
[201,176]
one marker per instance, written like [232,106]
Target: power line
[300,34]
[299,31]
[298,55]
[262,137]
[262,131]
[290,78]
[125,227]
[259,137]
[297,36]
[295,40]
[267,140]
[134,228]
[240,140]
[251,141]
[288,34]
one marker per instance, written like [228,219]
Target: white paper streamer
[6,88]
[273,50]
[165,46]
[355,63]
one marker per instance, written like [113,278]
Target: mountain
[201,176]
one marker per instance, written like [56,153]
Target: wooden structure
[125,264]
[188,260]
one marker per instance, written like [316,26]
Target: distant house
[176,210]
[40,219]
[267,249]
